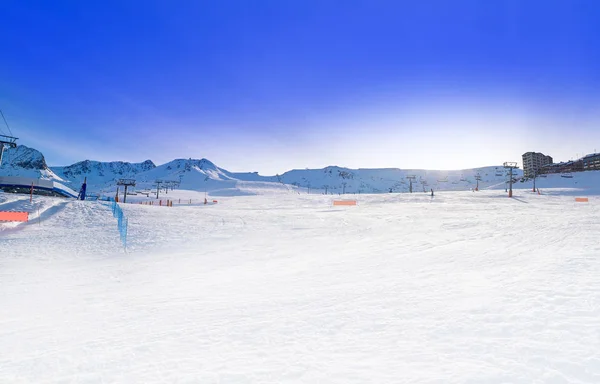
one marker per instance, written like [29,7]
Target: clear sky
[271,85]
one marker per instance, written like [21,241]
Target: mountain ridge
[203,175]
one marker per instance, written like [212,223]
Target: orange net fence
[14,216]
[344,202]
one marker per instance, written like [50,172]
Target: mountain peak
[98,172]
[24,157]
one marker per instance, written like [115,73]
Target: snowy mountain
[344,180]
[203,175]
[26,162]
[100,174]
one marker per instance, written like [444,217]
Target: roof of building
[27,182]
[591,155]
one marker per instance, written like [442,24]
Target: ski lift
[6,141]
[9,141]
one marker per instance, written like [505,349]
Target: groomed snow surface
[464,287]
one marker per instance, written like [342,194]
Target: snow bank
[464,287]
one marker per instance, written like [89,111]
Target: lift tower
[126,183]
[478,178]
[510,165]
[411,178]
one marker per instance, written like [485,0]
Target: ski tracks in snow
[465,288]
[63,228]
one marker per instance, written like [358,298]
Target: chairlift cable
[5,122]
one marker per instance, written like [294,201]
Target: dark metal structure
[410,180]
[158,183]
[6,142]
[510,165]
[126,183]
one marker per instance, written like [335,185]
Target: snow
[99,174]
[204,176]
[26,162]
[581,183]
[464,287]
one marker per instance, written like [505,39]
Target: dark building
[591,162]
[564,167]
[533,162]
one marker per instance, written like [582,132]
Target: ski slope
[462,287]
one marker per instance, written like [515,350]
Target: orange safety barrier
[344,202]
[581,199]
[14,216]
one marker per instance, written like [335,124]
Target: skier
[431,192]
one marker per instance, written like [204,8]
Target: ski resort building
[533,162]
[14,184]
[591,162]
[562,167]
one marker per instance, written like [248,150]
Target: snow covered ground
[467,287]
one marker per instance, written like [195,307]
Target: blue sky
[273,85]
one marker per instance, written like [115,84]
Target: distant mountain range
[203,175]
